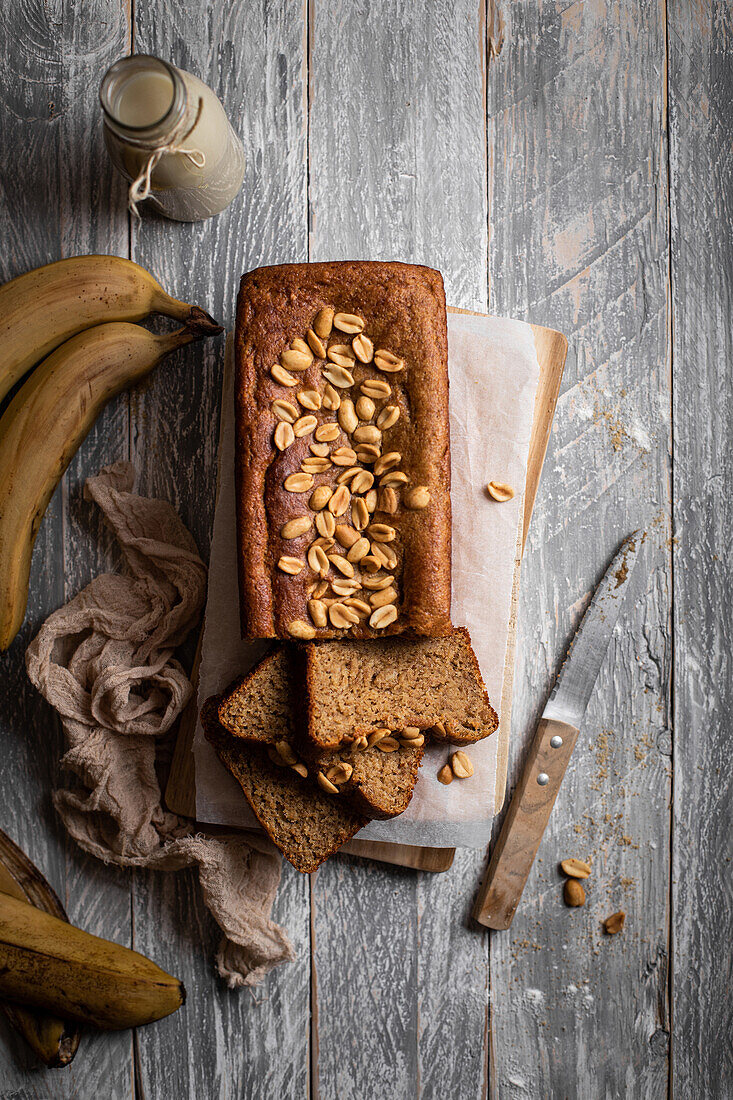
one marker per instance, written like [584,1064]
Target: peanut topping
[348,322]
[284,435]
[323,323]
[301,630]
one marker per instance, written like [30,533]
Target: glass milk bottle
[167,133]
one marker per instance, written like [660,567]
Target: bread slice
[355,687]
[381,784]
[305,823]
[262,709]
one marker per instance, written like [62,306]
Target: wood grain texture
[453,984]
[398,170]
[578,209]
[253,56]
[552,351]
[397,150]
[701,156]
[59,200]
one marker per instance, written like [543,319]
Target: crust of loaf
[404,306]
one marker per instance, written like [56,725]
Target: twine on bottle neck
[141,188]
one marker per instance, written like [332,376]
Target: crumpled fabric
[105,663]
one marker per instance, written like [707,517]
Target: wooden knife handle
[525,822]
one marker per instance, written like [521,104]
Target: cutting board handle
[525,823]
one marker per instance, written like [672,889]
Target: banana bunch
[48,964]
[78,310]
[53,1040]
[41,309]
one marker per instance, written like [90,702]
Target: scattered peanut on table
[573,893]
[614,923]
[574,870]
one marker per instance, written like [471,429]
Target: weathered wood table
[579,178]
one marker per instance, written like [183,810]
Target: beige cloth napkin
[105,663]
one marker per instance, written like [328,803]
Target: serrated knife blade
[579,671]
[552,747]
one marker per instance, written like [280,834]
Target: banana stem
[188,314]
[201,324]
[198,328]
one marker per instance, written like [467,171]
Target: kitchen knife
[549,756]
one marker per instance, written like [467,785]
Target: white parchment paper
[493,378]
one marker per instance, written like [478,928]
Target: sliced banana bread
[381,784]
[355,687]
[262,708]
[305,823]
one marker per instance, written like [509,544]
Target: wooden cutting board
[180,794]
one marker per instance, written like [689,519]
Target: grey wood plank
[701,136]
[578,201]
[59,201]
[397,146]
[453,983]
[238,1044]
[365,936]
[397,168]
[229,1044]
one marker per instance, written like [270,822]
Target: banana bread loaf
[260,708]
[378,784]
[342,451]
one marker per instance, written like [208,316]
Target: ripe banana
[41,309]
[51,1039]
[49,964]
[44,425]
